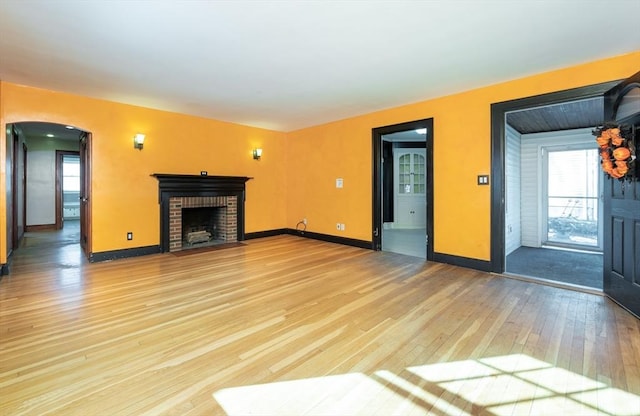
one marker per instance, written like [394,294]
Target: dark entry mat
[584,269]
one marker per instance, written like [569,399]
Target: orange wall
[462,150]
[296,177]
[124,195]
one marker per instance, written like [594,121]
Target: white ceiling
[285,65]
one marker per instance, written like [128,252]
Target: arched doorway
[37,179]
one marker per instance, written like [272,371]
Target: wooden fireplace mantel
[169,182]
[172,185]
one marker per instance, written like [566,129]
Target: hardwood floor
[292,326]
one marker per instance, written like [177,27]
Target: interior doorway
[403,194]
[553,208]
[67,188]
[55,178]
[547,224]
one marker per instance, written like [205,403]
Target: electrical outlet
[304,221]
[341,227]
[129,235]
[338,226]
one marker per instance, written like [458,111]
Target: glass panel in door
[419,176]
[404,174]
[573,198]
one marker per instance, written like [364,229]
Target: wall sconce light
[138,141]
[257,154]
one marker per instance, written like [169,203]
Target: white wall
[41,179]
[41,187]
[532,175]
[513,232]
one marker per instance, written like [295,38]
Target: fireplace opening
[203,226]
[201,221]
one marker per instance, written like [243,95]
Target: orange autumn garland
[615,151]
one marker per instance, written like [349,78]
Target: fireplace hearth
[197,211]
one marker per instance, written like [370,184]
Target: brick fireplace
[219,220]
[218,200]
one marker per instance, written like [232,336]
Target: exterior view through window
[71,187]
[573,197]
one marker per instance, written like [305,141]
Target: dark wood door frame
[377,179]
[85,194]
[60,154]
[15,174]
[498,115]
[24,187]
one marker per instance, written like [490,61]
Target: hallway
[60,249]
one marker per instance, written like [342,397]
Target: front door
[622,203]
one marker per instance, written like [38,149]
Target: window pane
[70,173]
[572,205]
[419,176]
[404,178]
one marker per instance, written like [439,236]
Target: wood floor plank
[280,323]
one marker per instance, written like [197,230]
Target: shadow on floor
[577,268]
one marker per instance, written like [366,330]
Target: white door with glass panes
[410,179]
[573,205]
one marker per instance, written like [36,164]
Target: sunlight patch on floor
[504,385]
[343,394]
